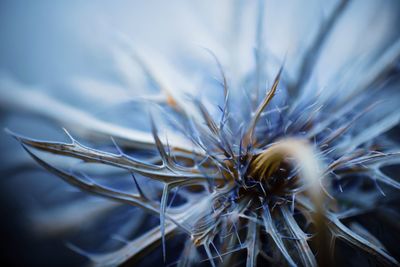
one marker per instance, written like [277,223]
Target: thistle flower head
[257,179]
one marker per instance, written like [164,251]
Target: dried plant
[263,178]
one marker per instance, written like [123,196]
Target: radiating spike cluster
[263,186]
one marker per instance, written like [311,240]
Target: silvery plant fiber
[200,133]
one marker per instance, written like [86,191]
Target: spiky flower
[271,175]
